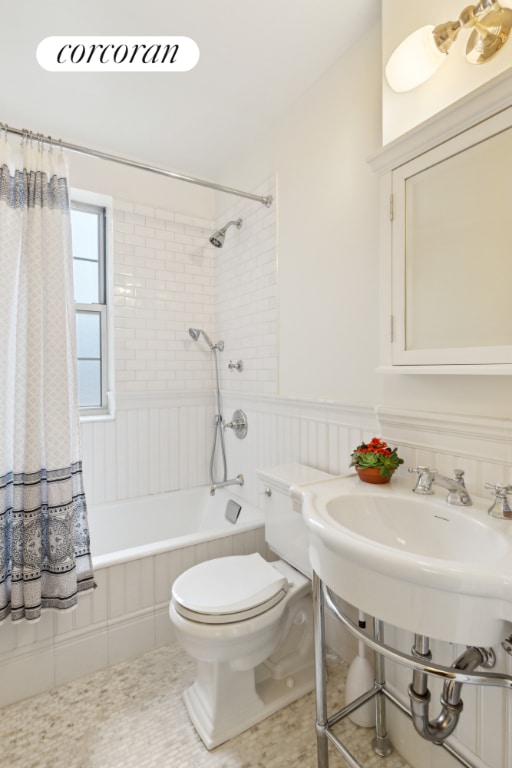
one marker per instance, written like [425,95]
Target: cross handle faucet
[457,493]
[424,482]
[501,506]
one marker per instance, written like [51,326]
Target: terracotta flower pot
[371,475]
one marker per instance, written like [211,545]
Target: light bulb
[414,61]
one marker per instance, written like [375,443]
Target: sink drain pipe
[445,723]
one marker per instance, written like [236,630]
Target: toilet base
[222,703]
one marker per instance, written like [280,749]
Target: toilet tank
[285,530]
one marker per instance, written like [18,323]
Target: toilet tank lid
[228,584]
[291,474]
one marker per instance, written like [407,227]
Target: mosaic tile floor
[132,716]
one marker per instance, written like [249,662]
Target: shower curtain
[44,540]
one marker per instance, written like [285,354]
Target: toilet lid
[228,589]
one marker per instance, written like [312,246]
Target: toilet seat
[228,589]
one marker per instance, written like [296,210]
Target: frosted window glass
[86,281]
[85,226]
[89,378]
[88,333]
[89,233]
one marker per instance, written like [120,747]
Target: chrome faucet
[424,482]
[457,493]
[501,506]
[238,480]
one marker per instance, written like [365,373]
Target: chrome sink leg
[380,743]
[320,674]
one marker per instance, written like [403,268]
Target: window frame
[82,200]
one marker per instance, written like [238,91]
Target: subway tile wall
[246,295]
[163,284]
[167,277]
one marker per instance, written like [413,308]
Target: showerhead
[195,333]
[217,239]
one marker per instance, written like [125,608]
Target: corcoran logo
[117,54]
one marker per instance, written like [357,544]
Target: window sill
[100,414]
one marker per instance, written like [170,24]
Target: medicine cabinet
[446,266]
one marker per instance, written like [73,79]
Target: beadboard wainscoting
[156,443]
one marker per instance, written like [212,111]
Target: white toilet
[248,622]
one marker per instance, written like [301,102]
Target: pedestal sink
[414,561]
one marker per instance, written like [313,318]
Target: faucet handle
[421,470]
[459,476]
[501,507]
[424,481]
[498,489]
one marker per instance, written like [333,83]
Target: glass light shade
[414,61]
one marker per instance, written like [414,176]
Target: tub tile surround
[163,283]
[246,296]
[167,277]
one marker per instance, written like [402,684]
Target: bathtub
[150,525]
[139,547]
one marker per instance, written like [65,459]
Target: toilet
[248,622]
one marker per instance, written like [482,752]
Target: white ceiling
[256,58]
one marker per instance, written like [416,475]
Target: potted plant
[375,461]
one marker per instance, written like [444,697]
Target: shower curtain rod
[136,164]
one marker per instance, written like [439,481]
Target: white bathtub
[134,528]
[139,548]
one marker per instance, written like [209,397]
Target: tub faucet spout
[238,480]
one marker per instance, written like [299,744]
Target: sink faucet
[457,493]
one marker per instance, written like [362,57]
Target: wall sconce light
[421,54]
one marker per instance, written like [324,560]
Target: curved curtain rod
[136,164]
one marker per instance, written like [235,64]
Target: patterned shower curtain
[44,539]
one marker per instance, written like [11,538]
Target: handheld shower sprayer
[218,433]
[217,239]
[195,333]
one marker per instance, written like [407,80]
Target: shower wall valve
[238,424]
[238,366]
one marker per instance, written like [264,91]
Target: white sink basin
[413,561]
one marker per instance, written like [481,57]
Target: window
[90,226]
